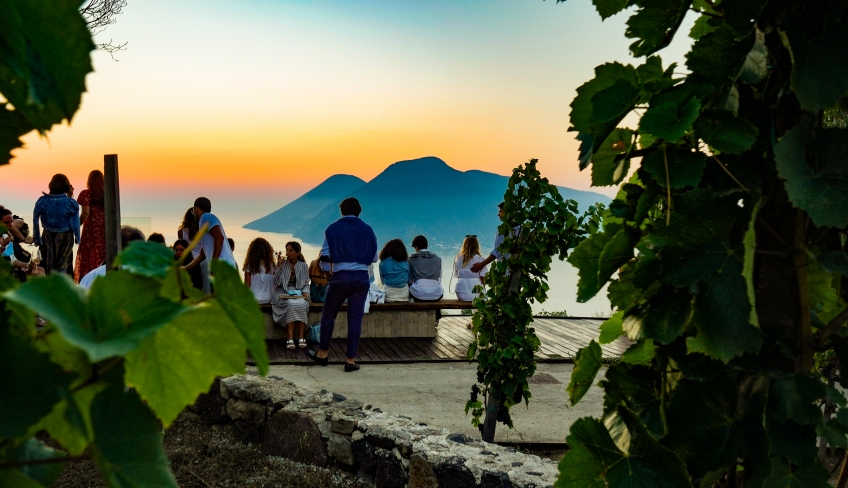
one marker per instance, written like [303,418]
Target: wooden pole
[490,421]
[112,204]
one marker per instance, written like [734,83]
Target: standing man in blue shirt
[350,247]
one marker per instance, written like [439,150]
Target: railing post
[112,204]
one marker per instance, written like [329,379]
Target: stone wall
[375,324]
[385,451]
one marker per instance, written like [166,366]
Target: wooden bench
[384,320]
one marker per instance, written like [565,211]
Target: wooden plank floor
[561,338]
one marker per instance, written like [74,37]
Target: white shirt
[207,242]
[89,278]
[464,272]
[194,252]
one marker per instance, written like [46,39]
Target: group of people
[342,273]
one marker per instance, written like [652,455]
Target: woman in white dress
[468,256]
[292,284]
[259,270]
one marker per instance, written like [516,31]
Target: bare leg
[301,326]
[290,328]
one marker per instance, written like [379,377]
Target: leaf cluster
[114,365]
[537,225]
[723,251]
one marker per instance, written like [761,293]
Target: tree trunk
[490,422]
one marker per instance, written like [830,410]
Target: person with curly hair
[259,270]
[394,271]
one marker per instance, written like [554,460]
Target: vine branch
[730,174]
[32,462]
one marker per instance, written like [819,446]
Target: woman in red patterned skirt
[92,247]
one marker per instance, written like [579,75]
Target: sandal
[301,343]
[289,344]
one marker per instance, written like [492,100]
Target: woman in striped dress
[290,303]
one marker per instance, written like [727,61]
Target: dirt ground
[205,457]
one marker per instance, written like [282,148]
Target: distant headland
[419,196]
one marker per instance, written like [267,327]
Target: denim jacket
[58,213]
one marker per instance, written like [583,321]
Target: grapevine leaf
[177,286]
[586,366]
[29,393]
[70,421]
[794,397]
[608,8]
[834,431]
[598,257]
[823,194]
[717,56]
[12,127]
[662,318]
[629,457]
[655,24]
[835,262]
[614,102]
[812,475]
[147,259]
[117,325]
[685,168]
[726,133]
[587,144]
[755,67]
[670,120]
[56,298]
[181,360]
[240,305]
[33,475]
[45,53]
[611,328]
[640,353]
[741,15]
[606,76]
[823,298]
[127,447]
[722,316]
[701,27]
[635,386]
[750,244]
[822,58]
[609,166]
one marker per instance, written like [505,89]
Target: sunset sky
[254,102]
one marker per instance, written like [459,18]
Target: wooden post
[490,421]
[112,204]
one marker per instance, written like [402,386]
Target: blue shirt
[394,274]
[58,213]
[500,240]
[325,251]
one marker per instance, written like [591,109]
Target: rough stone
[459,438]
[247,433]
[343,425]
[356,435]
[247,411]
[339,448]
[421,473]
[211,408]
[495,480]
[390,472]
[293,435]
[452,473]
[363,456]
[405,448]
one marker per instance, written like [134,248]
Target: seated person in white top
[213,244]
[259,269]
[425,273]
[128,234]
[468,256]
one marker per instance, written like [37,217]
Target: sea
[562,278]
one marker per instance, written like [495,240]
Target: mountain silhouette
[420,196]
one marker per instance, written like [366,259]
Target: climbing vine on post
[729,244]
[538,224]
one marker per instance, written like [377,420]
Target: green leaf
[794,397]
[147,259]
[812,475]
[608,8]
[701,27]
[586,366]
[742,14]
[685,168]
[820,66]
[609,166]
[182,359]
[33,475]
[606,75]
[835,262]
[128,444]
[70,421]
[57,299]
[12,127]
[628,457]
[598,257]
[750,244]
[655,24]
[45,59]
[823,194]
[31,383]
[717,57]
[611,328]
[176,286]
[670,120]
[823,298]
[640,353]
[637,387]
[726,133]
[834,431]
[614,102]
[662,318]
[240,306]
[117,325]
[755,67]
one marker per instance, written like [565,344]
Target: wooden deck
[560,337]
